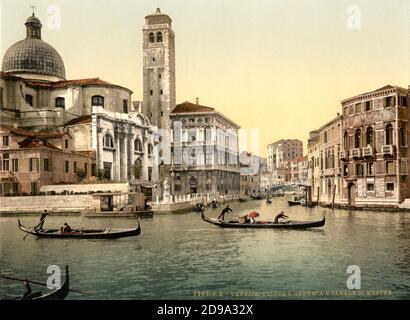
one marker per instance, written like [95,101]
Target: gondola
[243,200]
[266,224]
[59,294]
[268,201]
[83,233]
[199,208]
[294,203]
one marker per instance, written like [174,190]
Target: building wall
[363,186]
[205,155]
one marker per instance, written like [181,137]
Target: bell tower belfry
[158,69]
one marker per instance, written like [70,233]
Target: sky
[278,67]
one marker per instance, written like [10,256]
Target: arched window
[389,134]
[138,146]
[358,139]
[346,141]
[151,37]
[137,169]
[159,37]
[150,150]
[369,137]
[97,101]
[60,102]
[108,141]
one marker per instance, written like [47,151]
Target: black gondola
[266,224]
[59,294]
[243,200]
[83,233]
[199,207]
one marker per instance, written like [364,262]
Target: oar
[39,283]
[26,236]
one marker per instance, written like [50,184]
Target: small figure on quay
[281,215]
[42,220]
[66,228]
[224,211]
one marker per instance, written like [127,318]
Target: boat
[215,204]
[59,294]
[256,197]
[199,208]
[266,224]
[295,202]
[82,233]
[269,201]
[243,200]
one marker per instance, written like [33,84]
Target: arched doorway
[351,196]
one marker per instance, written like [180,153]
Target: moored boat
[266,224]
[82,233]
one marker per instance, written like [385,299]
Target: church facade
[98,116]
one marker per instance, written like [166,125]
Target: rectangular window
[404,167]
[15,165]
[358,108]
[368,105]
[403,101]
[149,173]
[93,170]
[390,186]
[66,143]
[345,170]
[390,101]
[33,165]
[359,169]
[29,99]
[86,168]
[1,101]
[75,166]
[5,141]
[125,106]
[67,167]
[6,162]
[60,103]
[370,187]
[46,165]
[390,167]
[369,168]
[34,188]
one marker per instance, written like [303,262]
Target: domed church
[33,58]
[91,123]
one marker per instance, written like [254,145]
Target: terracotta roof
[188,107]
[78,82]
[79,120]
[63,84]
[31,143]
[37,134]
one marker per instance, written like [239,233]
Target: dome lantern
[33,26]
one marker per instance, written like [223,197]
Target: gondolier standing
[281,215]
[42,219]
[222,215]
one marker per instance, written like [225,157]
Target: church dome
[32,55]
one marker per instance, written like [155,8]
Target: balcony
[6,175]
[388,151]
[368,152]
[344,155]
[356,153]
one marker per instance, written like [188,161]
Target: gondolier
[224,211]
[281,215]
[42,220]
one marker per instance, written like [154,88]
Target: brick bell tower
[159,69]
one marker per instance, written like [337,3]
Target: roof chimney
[197,101]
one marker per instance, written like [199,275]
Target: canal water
[179,256]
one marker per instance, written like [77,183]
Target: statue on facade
[166,193]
